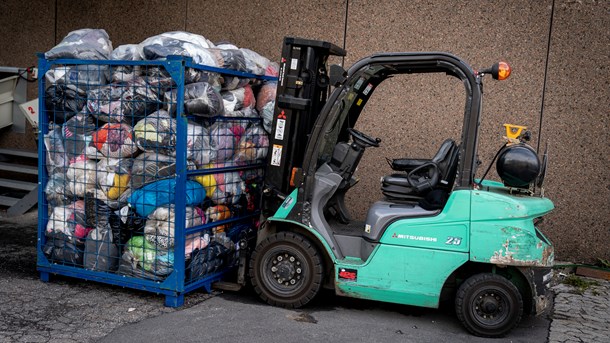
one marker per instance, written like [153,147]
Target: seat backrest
[447,160]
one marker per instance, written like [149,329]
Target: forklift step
[15,184]
[18,168]
[18,152]
[227,286]
[8,201]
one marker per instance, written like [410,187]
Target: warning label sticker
[276,155]
[294,64]
[279,129]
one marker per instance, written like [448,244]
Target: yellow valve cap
[514,131]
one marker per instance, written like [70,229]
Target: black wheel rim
[285,271]
[490,307]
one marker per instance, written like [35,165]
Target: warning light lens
[503,71]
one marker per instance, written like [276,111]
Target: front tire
[488,305]
[286,270]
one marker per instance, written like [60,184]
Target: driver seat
[420,176]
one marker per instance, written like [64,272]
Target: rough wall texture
[576,124]
[412,114]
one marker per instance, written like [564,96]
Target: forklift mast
[303,87]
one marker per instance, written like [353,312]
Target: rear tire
[488,305]
[286,270]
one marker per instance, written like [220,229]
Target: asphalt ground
[74,310]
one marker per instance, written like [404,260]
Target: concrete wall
[412,114]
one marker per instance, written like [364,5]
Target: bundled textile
[56,190]
[209,260]
[84,44]
[218,213]
[126,52]
[223,138]
[200,99]
[253,146]
[125,102]
[142,259]
[69,220]
[238,99]
[181,44]
[81,177]
[76,135]
[113,140]
[62,249]
[113,176]
[63,101]
[265,104]
[223,187]
[57,161]
[156,133]
[146,199]
[151,166]
[160,225]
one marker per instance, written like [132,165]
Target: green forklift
[437,232]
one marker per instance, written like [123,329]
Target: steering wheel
[363,138]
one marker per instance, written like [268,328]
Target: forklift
[437,232]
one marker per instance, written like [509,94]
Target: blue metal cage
[149,172]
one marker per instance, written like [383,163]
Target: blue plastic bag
[146,199]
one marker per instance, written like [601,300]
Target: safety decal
[359,102]
[279,129]
[276,155]
[358,84]
[367,89]
[294,63]
[348,274]
[287,202]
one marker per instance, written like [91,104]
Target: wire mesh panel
[151,171]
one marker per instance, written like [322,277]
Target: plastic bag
[160,224]
[202,152]
[273,69]
[181,44]
[77,134]
[255,63]
[224,136]
[126,52]
[151,166]
[156,133]
[253,146]
[160,78]
[200,99]
[265,104]
[229,58]
[56,190]
[81,176]
[113,176]
[146,199]
[125,102]
[209,260]
[223,187]
[57,160]
[217,213]
[84,44]
[101,253]
[143,260]
[113,140]
[61,248]
[238,99]
[63,101]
